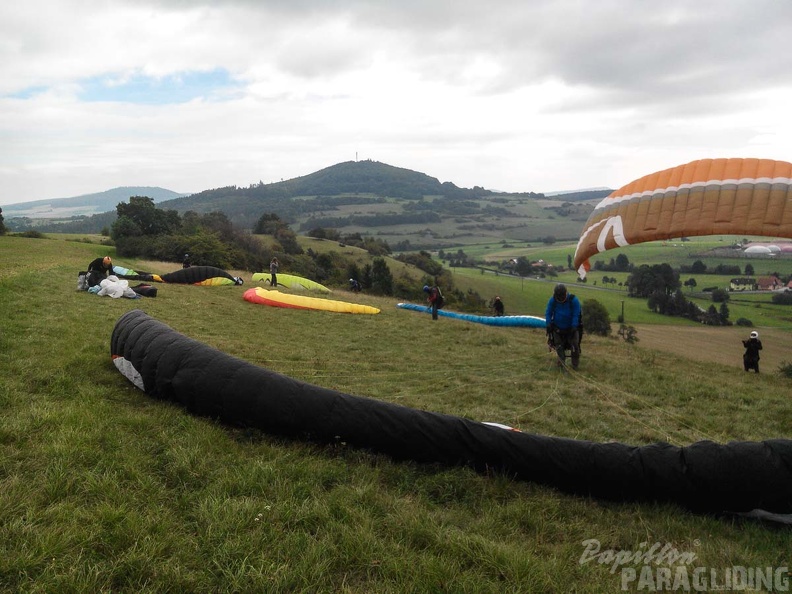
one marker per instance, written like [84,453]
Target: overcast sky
[512,95]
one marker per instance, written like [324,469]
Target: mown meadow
[103,489]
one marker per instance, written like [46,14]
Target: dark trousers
[567,340]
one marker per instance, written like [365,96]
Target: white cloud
[511,95]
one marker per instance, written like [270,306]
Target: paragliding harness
[439,299]
[550,333]
[88,279]
[145,290]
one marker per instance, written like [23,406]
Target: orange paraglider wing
[705,197]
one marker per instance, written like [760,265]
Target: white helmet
[754,334]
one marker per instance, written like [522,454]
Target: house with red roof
[769,283]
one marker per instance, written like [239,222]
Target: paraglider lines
[588,381]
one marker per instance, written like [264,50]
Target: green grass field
[103,489]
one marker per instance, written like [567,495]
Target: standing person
[274,272]
[752,347]
[98,269]
[354,286]
[563,320]
[498,306]
[186,262]
[435,299]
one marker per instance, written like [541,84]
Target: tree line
[142,230]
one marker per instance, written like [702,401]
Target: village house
[742,284]
[769,283]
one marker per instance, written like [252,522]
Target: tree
[366,277]
[597,319]
[523,266]
[698,267]
[2,224]
[647,280]
[219,223]
[784,298]
[678,304]
[141,217]
[720,295]
[659,302]
[267,224]
[723,313]
[353,271]
[691,282]
[325,233]
[288,240]
[381,277]
[622,263]
[325,266]
[206,249]
[125,227]
[376,246]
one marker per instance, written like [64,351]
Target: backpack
[145,290]
[82,281]
[439,299]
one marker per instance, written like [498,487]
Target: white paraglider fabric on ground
[114,287]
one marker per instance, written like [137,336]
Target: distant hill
[84,205]
[356,181]
[408,209]
[580,195]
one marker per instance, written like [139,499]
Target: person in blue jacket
[564,324]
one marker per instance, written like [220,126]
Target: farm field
[718,345]
[527,219]
[103,488]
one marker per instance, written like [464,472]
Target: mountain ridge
[85,204]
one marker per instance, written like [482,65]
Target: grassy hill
[105,489]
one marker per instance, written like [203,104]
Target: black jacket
[752,348]
[97,266]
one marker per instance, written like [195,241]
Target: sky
[510,95]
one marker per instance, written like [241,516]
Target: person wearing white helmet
[752,347]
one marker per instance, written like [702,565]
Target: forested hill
[364,181]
